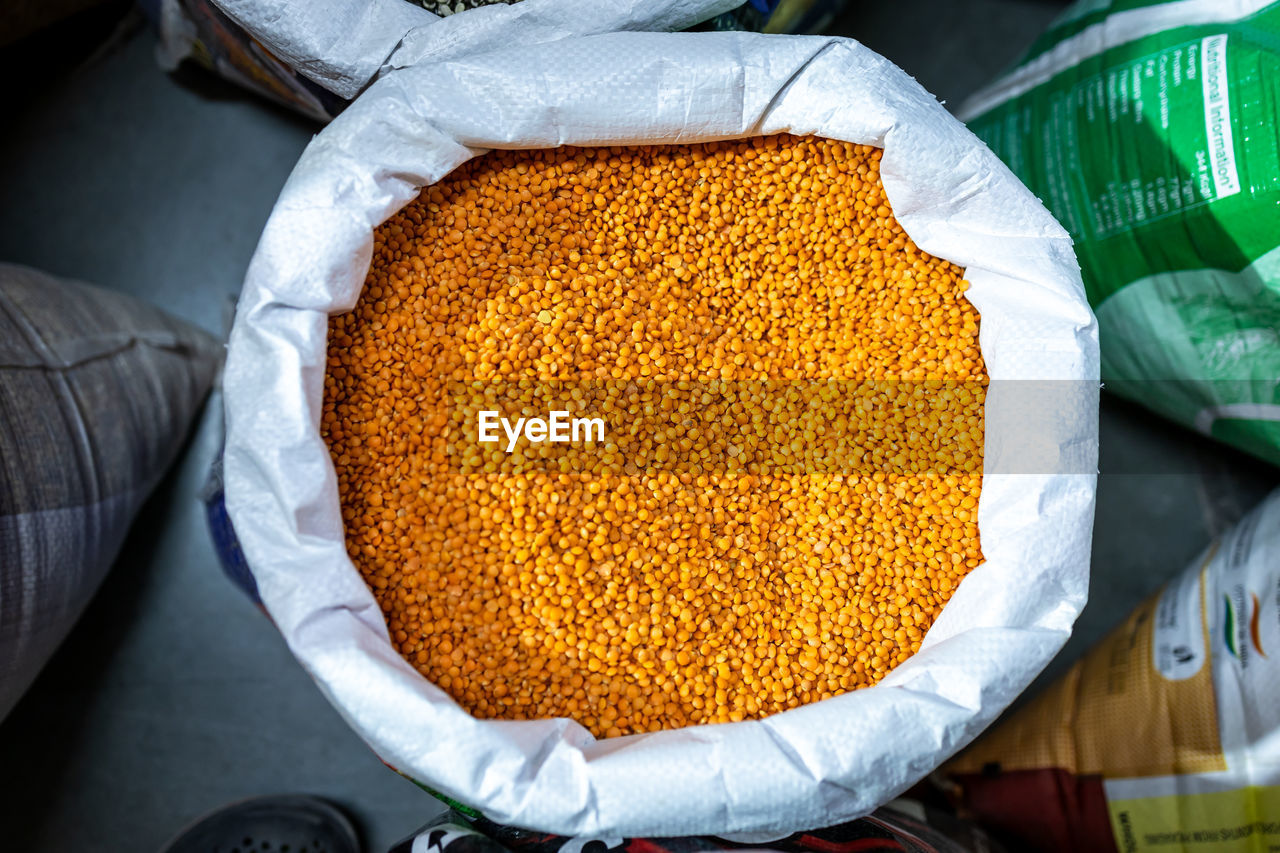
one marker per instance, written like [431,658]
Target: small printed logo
[1253,625]
[1229,635]
[1229,627]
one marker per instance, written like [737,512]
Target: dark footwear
[290,823]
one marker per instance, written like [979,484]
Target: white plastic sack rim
[831,761]
[343,45]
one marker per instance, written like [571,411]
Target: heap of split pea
[636,599]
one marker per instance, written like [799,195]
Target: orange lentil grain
[686,592]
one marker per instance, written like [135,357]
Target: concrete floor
[174,695]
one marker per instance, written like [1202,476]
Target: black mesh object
[444,8]
[97,392]
[287,823]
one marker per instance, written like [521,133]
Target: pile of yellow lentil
[634,597]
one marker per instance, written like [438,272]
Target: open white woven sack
[816,765]
[343,45]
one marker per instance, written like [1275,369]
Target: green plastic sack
[1149,128]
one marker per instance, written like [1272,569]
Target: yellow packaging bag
[1165,737]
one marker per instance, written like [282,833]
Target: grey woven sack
[97,392]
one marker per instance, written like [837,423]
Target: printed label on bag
[1176,106]
[1217,115]
[1156,154]
[1239,821]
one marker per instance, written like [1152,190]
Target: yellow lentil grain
[693,590]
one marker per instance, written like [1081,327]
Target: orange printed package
[1166,736]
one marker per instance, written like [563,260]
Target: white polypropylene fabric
[816,765]
[343,45]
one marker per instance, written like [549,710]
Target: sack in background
[816,765]
[196,30]
[97,392]
[313,57]
[1166,736]
[1149,129]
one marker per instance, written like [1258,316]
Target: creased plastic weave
[343,45]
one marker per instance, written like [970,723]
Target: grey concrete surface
[950,48]
[174,695]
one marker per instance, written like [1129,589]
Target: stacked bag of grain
[440,257]
[1149,129]
[313,57]
[97,392]
[1164,736]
